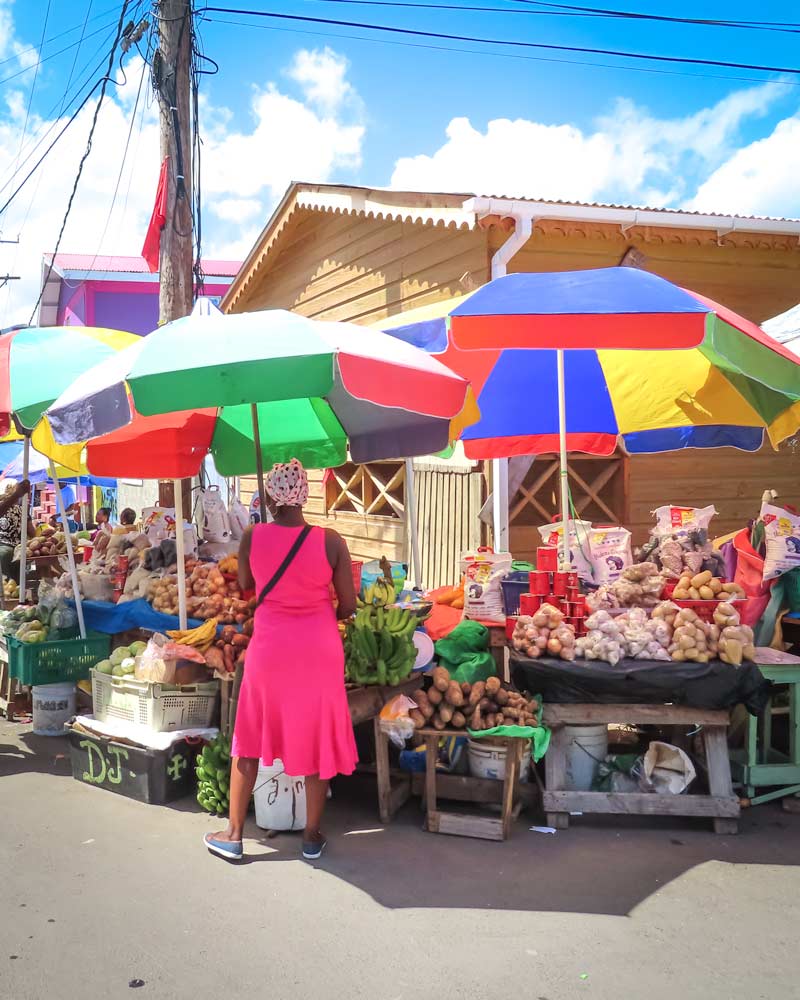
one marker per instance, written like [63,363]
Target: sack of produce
[216,522]
[782,540]
[672,520]
[580,549]
[239,517]
[609,553]
[484,572]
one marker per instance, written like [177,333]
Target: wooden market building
[349,253]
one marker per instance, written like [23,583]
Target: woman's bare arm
[246,578]
[339,558]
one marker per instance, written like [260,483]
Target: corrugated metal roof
[544,201]
[136,265]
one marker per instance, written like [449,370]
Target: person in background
[11,526]
[294,710]
[127,518]
[103,521]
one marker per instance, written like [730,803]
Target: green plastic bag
[464,653]
[538,735]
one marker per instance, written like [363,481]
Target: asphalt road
[99,891]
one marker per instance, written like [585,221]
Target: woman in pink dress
[292,704]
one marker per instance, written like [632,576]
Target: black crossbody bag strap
[287,562]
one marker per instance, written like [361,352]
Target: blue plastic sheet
[102,616]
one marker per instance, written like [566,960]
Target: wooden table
[456,824]
[759,764]
[8,685]
[720,804]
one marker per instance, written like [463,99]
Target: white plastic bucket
[586,747]
[487,761]
[280,799]
[53,705]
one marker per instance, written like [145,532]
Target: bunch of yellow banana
[379,594]
[201,637]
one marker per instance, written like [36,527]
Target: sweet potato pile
[478,706]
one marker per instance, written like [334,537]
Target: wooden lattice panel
[377,489]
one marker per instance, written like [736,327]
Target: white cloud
[245,169]
[759,179]
[629,155]
[236,209]
[322,76]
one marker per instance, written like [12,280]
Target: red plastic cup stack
[539,582]
[529,604]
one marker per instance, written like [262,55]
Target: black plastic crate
[153,776]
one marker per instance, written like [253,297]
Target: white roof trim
[627,217]
[370,204]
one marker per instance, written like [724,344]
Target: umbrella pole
[73,570]
[564,472]
[262,493]
[180,547]
[413,527]
[26,504]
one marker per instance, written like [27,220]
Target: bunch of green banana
[379,593]
[213,769]
[379,645]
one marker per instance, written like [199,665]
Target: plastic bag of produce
[609,553]
[580,548]
[782,540]
[152,665]
[672,520]
[216,521]
[239,517]
[395,720]
[483,573]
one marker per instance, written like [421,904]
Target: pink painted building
[115,292]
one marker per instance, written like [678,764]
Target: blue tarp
[102,616]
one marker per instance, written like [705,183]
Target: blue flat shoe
[312,849]
[231,850]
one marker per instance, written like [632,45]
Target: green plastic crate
[57,660]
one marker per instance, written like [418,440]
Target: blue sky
[299,101]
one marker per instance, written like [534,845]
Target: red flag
[152,241]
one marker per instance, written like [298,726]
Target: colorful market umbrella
[268,386]
[581,361]
[316,389]
[36,365]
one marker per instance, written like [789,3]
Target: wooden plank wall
[342,267]
[367,537]
[732,480]
[448,504]
[756,276]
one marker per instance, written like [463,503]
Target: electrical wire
[52,55]
[557,8]
[33,87]
[516,43]
[499,55]
[103,87]
[63,102]
[570,10]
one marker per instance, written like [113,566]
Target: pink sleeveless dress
[292,704]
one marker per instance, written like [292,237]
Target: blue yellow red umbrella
[649,364]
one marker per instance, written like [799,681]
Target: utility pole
[171,71]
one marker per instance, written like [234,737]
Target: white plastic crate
[160,707]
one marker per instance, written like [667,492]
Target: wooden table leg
[382,771]
[431,756]
[555,773]
[719,772]
[510,783]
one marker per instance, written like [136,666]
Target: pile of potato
[49,543]
[163,595]
[696,641]
[479,706]
[210,595]
[705,587]
[544,633]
